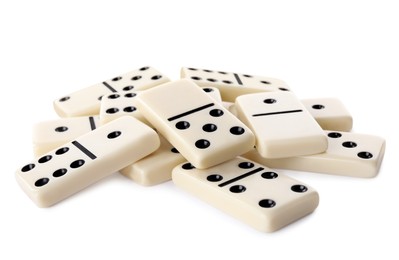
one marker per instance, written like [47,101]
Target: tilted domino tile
[202,130]
[250,192]
[232,85]
[75,165]
[120,104]
[330,113]
[349,154]
[213,92]
[155,168]
[51,134]
[86,102]
[282,125]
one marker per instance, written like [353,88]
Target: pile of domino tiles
[216,134]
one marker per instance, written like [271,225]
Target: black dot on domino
[45,158]
[112,110]
[130,95]
[188,166]
[269,101]
[365,155]
[246,165]
[202,144]
[216,112]
[265,82]
[208,70]
[77,163]
[209,128]
[28,167]
[62,150]
[156,77]
[284,89]
[136,77]
[63,99]
[318,106]
[214,177]
[100,97]
[113,96]
[144,68]
[174,150]
[247,76]
[349,144]
[267,203]
[211,80]
[116,78]
[237,188]
[222,72]
[196,78]
[127,88]
[61,129]
[237,130]
[129,109]
[334,135]
[59,172]
[182,125]
[299,188]
[207,90]
[114,134]
[269,175]
[41,182]
[192,69]
[227,81]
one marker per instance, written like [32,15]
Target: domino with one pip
[282,125]
[51,134]
[250,192]
[348,154]
[86,102]
[200,128]
[232,85]
[77,164]
[329,113]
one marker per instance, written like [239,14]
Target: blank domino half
[203,131]
[75,165]
[349,154]
[282,125]
[330,113]
[51,134]
[155,168]
[86,102]
[232,85]
[250,192]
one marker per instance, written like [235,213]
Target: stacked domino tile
[217,134]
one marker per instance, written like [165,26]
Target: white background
[345,49]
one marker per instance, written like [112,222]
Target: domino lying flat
[250,192]
[86,102]
[155,168]
[202,130]
[232,85]
[348,154]
[282,125]
[329,113]
[51,134]
[74,166]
